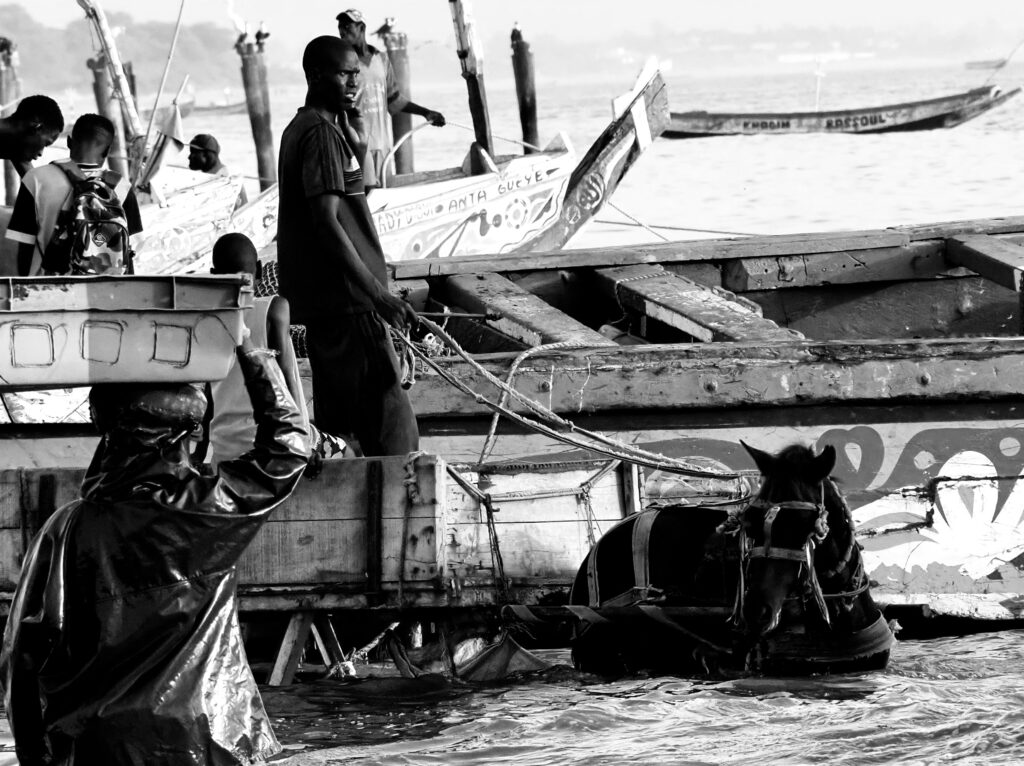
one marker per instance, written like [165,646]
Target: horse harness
[803,555]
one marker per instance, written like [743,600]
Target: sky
[571,20]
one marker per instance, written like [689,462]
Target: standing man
[123,647]
[380,97]
[331,264]
[35,125]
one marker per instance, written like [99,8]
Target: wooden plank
[374,500]
[914,261]
[705,313]
[668,252]
[524,316]
[1002,262]
[1010,224]
[710,249]
[320,534]
[676,377]
[290,652]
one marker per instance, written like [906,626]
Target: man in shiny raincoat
[122,647]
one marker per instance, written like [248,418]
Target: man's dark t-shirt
[316,159]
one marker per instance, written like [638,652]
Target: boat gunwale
[967,97]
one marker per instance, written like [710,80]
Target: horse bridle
[803,555]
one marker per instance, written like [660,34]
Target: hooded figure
[122,647]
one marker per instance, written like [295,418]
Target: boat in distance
[986,64]
[941,112]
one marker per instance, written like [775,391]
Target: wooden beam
[711,249]
[916,260]
[524,316]
[708,314]
[471,61]
[696,376]
[290,652]
[1002,262]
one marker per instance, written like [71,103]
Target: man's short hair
[42,110]
[238,250]
[322,51]
[93,128]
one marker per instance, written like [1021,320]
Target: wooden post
[110,107]
[10,93]
[526,89]
[257,100]
[471,59]
[133,125]
[401,123]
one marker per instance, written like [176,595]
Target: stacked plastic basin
[58,332]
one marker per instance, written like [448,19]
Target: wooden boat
[942,112]
[986,64]
[239,107]
[901,347]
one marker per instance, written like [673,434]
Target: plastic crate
[59,332]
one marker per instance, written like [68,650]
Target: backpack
[91,235]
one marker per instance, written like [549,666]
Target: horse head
[794,535]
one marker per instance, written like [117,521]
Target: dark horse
[777,587]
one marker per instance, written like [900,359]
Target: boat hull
[944,112]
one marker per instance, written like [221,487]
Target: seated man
[43,222]
[35,125]
[230,428]
[122,647]
[204,156]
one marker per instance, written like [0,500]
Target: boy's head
[38,121]
[91,138]
[235,253]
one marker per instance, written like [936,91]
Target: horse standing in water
[657,590]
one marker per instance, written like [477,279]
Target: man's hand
[395,311]
[434,118]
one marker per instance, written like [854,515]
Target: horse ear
[765,462]
[823,464]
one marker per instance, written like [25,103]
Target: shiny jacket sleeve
[266,475]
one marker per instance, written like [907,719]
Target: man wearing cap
[379,98]
[123,646]
[204,156]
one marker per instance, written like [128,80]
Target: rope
[500,138]
[1005,62]
[498,564]
[577,436]
[636,222]
[491,439]
[668,227]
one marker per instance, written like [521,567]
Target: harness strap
[784,554]
[641,543]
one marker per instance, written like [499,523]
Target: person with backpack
[75,216]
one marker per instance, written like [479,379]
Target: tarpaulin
[122,647]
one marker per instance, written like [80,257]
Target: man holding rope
[331,265]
